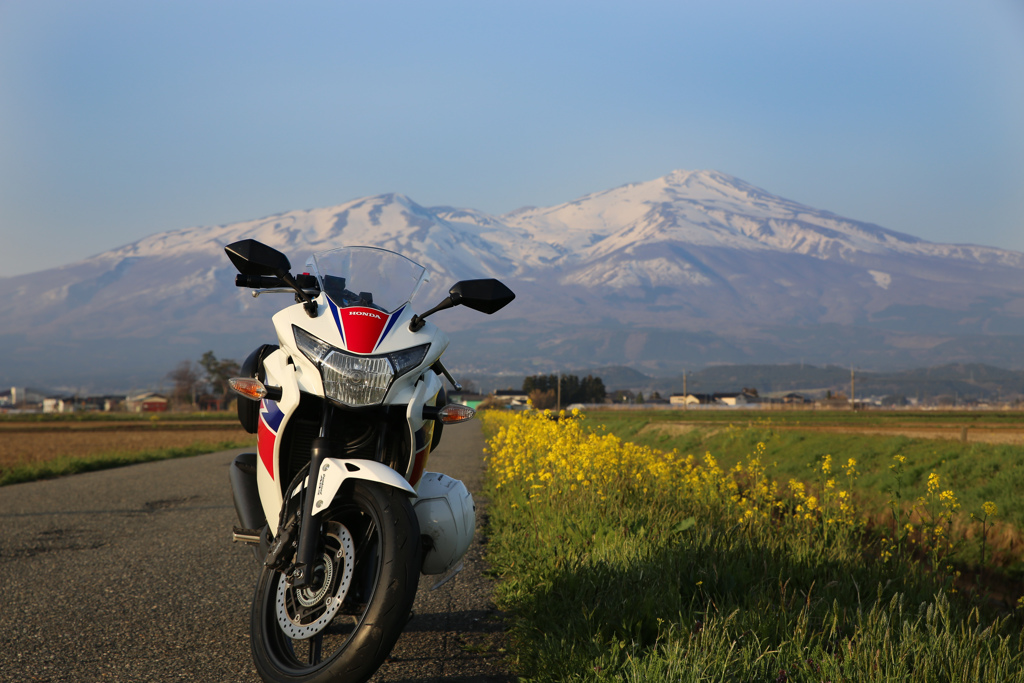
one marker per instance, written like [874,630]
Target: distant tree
[186,380]
[656,396]
[640,397]
[543,400]
[544,383]
[593,390]
[573,390]
[538,382]
[218,372]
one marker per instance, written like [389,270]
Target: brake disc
[291,604]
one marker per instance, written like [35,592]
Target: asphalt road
[130,575]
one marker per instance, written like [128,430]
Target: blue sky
[122,119]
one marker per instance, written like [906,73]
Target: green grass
[740,416]
[631,600]
[658,586]
[74,465]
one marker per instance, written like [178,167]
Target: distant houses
[19,399]
[740,398]
[516,399]
[691,399]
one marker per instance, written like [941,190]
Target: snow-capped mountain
[690,268]
[636,235]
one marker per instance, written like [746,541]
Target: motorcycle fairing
[363,328]
[337,319]
[279,373]
[266,435]
[421,431]
[396,337]
[422,448]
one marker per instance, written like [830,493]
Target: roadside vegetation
[620,561]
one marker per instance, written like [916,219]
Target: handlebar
[272,281]
[258,281]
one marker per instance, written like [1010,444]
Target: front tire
[343,628]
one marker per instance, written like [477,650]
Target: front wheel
[345,624]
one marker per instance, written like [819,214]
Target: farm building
[513,398]
[147,403]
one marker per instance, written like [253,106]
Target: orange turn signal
[248,387]
[455,412]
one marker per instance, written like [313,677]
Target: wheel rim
[302,637]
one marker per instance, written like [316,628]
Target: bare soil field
[24,443]
[100,425]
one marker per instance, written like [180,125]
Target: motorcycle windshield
[368,276]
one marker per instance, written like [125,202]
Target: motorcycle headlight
[352,380]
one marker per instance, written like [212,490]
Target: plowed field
[23,443]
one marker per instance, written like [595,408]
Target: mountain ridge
[692,267]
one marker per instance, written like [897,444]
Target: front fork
[309,527]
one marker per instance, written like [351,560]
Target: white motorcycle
[337,501]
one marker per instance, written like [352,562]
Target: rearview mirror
[255,258]
[486,296]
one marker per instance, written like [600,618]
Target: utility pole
[686,403]
[853,396]
[559,391]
